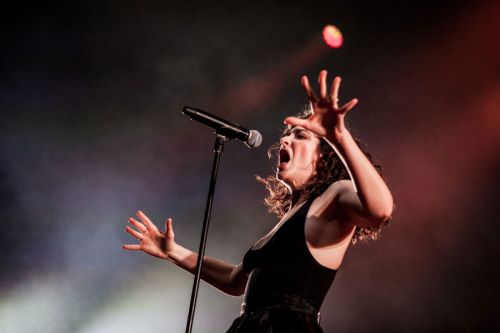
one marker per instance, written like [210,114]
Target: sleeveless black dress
[286,286]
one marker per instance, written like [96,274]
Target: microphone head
[254,139]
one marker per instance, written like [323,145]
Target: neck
[297,197]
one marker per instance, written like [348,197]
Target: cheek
[316,158]
[307,155]
[314,154]
[310,159]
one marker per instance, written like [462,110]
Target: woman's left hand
[327,119]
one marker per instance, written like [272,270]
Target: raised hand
[151,240]
[327,119]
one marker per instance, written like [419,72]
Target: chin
[282,177]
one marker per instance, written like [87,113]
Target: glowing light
[332,36]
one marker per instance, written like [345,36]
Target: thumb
[169,231]
[349,105]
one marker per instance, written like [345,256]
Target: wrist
[339,136]
[178,254]
[173,254]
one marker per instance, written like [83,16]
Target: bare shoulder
[328,234]
[327,203]
[335,189]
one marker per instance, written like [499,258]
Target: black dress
[286,286]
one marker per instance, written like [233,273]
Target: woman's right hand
[151,240]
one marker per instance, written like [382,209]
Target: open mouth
[284,157]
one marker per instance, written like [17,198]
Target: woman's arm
[230,279]
[368,202]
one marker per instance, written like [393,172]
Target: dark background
[91,131]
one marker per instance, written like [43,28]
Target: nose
[285,140]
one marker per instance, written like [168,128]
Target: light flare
[332,36]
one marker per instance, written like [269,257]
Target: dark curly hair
[329,169]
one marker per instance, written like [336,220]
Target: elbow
[238,293]
[238,282]
[383,216]
[235,291]
[375,221]
[383,219]
[240,287]
[376,210]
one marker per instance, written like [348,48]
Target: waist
[267,285]
[280,302]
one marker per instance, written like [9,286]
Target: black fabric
[288,314]
[283,270]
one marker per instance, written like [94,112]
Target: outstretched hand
[327,119]
[151,240]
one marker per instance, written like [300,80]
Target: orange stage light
[332,36]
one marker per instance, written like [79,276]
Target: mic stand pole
[218,149]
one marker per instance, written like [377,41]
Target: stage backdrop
[91,132]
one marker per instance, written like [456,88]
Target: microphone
[251,138]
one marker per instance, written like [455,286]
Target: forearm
[220,274]
[371,189]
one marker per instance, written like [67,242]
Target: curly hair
[329,169]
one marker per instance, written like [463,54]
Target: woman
[326,192]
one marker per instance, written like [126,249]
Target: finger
[137,224]
[294,121]
[168,228]
[335,91]
[305,84]
[145,219]
[131,247]
[133,233]
[349,105]
[322,84]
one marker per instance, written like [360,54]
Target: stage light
[332,36]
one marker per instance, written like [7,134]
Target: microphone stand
[218,149]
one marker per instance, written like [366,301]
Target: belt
[281,301]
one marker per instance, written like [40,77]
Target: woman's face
[298,154]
